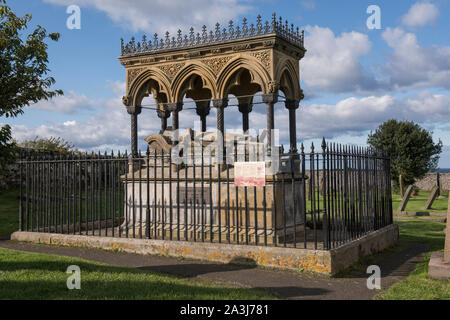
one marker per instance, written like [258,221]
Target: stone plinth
[198,203]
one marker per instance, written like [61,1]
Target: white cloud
[356,116]
[68,103]
[118,87]
[162,15]
[308,4]
[332,63]
[413,66]
[420,14]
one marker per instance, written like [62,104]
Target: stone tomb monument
[210,66]
[195,203]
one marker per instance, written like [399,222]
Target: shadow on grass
[46,279]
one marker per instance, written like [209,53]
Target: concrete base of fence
[320,261]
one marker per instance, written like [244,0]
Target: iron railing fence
[334,196]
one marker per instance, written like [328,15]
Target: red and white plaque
[250,174]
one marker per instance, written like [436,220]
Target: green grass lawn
[417,202]
[25,275]
[418,285]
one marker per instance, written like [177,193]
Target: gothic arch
[257,71]
[193,69]
[286,76]
[144,83]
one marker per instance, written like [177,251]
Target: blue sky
[354,78]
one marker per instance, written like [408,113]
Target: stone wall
[429,181]
[426,183]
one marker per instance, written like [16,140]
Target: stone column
[245,108]
[174,108]
[163,115]
[202,109]
[292,105]
[134,111]
[270,100]
[221,104]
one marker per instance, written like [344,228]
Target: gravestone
[405,199]
[438,184]
[434,193]
[447,235]
[439,266]
[400,182]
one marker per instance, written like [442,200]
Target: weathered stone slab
[437,267]
[405,199]
[320,261]
[434,193]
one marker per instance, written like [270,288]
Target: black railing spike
[324,144]
[312,147]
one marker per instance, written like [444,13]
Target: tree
[413,152]
[48,144]
[23,69]
[7,154]
[23,63]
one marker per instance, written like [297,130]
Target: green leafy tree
[48,144]
[23,69]
[7,144]
[413,152]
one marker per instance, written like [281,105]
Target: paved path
[285,284]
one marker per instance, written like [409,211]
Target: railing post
[388,155]
[326,238]
[21,191]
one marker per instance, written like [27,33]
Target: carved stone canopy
[240,60]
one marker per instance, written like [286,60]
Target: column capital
[126,100]
[163,113]
[291,104]
[202,110]
[245,107]
[134,109]
[174,106]
[270,98]
[220,103]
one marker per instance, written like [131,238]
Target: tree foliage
[23,72]
[413,152]
[23,63]
[48,144]
[7,150]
